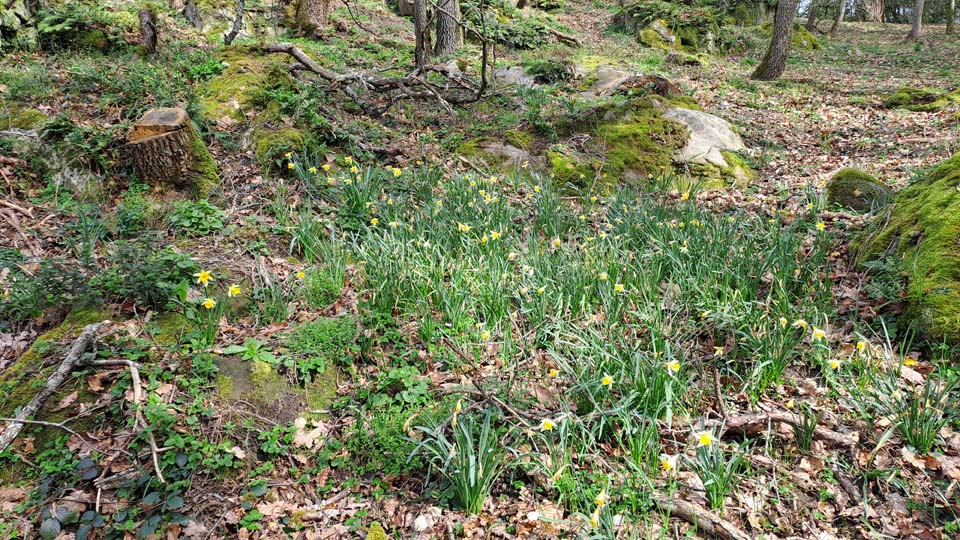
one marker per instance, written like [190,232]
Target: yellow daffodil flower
[463,227]
[374,221]
[553,373]
[312,170]
[603,276]
[800,323]
[397,172]
[595,517]
[209,303]
[818,334]
[326,167]
[494,235]
[607,381]
[821,226]
[601,498]
[909,362]
[834,363]
[673,366]
[291,165]
[861,345]
[705,438]
[547,425]
[540,290]
[233,290]
[618,287]
[783,322]
[203,277]
[668,462]
[348,160]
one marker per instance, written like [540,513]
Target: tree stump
[165,149]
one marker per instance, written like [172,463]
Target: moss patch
[17,118]
[169,328]
[857,190]
[565,169]
[803,39]
[922,99]
[237,88]
[204,167]
[923,227]
[270,145]
[637,140]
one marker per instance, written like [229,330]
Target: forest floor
[446,352]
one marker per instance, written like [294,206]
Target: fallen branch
[703,520]
[564,38]
[755,422]
[15,425]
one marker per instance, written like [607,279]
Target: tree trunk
[841,9]
[148,30]
[449,36]
[812,16]
[421,30]
[237,25]
[165,149]
[192,14]
[951,17]
[775,60]
[872,10]
[916,29]
[312,15]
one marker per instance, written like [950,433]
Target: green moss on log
[272,145]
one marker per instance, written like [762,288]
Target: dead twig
[15,425]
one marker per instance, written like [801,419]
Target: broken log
[59,376]
[165,149]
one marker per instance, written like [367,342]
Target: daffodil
[595,517]
[512,256]
[783,322]
[348,160]
[800,323]
[301,274]
[606,380]
[374,221]
[540,290]
[553,373]
[536,189]
[821,225]
[672,366]
[834,363]
[861,345]
[818,334]
[705,438]
[668,462]
[326,167]
[485,335]
[291,165]
[354,169]
[603,276]
[458,408]
[233,290]
[601,498]
[685,195]
[203,277]
[484,239]
[547,425]
[209,303]
[618,287]
[909,361]
[463,227]
[397,172]
[494,235]
[556,242]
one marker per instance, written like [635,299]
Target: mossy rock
[170,328]
[803,39]
[856,190]
[271,145]
[239,87]
[922,99]
[17,118]
[503,155]
[657,35]
[923,228]
[567,168]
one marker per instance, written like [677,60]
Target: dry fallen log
[753,423]
[165,149]
[73,357]
[704,520]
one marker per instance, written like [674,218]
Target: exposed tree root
[704,520]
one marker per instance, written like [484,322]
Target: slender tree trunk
[775,61]
[841,9]
[237,25]
[312,15]
[449,36]
[872,10]
[192,14]
[812,16]
[916,29]
[951,17]
[421,30]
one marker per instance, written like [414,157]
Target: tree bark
[312,15]
[775,60]
[872,10]
[237,25]
[165,149]
[951,17]
[148,30]
[841,10]
[449,36]
[812,16]
[916,29]
[421,30]
[192,14]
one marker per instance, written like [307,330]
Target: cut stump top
[159,121]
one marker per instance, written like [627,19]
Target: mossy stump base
[165,149]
